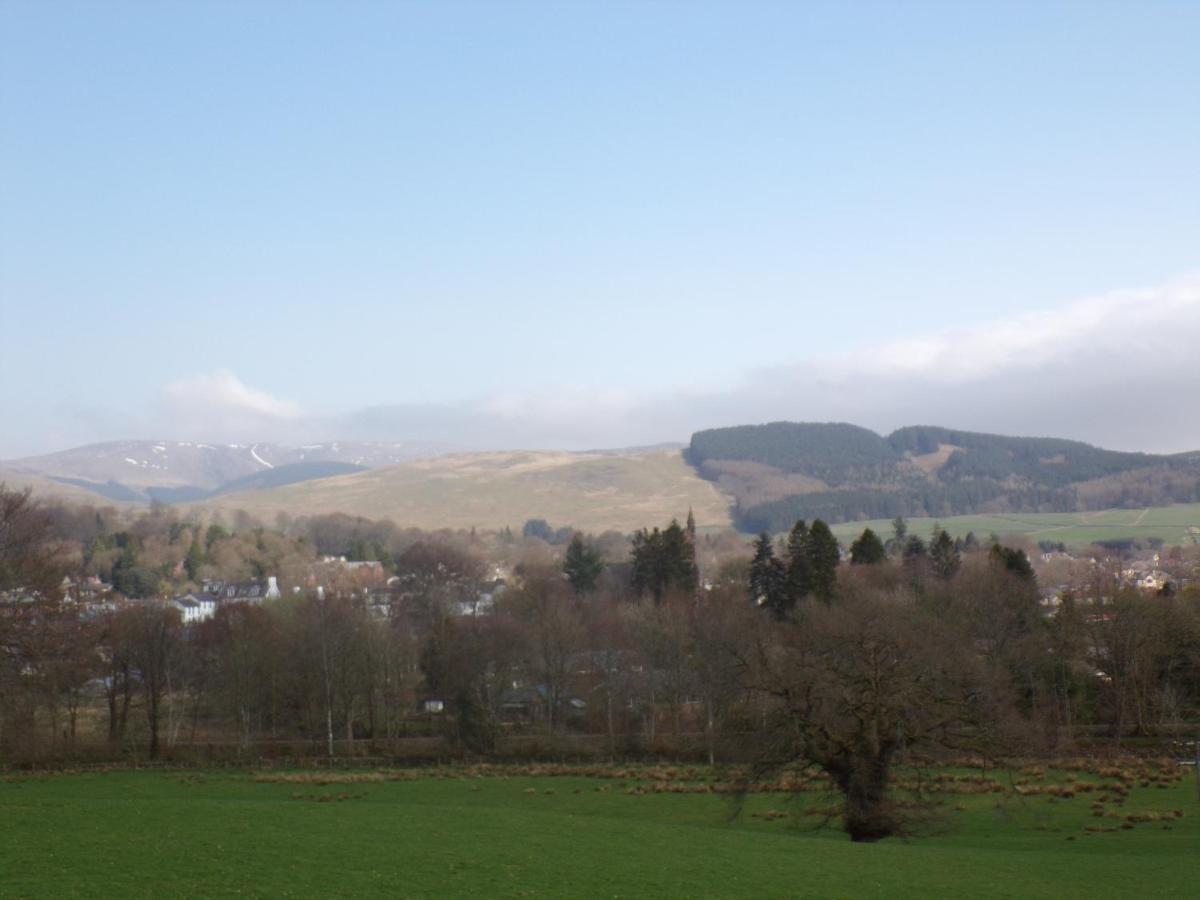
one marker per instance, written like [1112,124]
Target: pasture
[1166,523]
[568,832]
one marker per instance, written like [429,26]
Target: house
[379,602]
[83,590]
[1051,599]
[194,607]
[1057,556]
[1154,580]
[523,703]
[367,566]
[243,591]
[189,610]
[484,604]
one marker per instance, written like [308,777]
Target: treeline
[783,654]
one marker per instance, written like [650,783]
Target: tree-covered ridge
[1048,461]
[830,451]
[925,471]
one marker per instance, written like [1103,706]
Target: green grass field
[155,834]
[1167,523]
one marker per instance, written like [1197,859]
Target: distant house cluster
[199,606]
[1145,575]
[1152,574]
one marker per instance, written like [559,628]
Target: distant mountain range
[183,471]
[757,477]
[783,471]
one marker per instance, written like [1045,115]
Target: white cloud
[222,391]
[219,406]
[1139,321]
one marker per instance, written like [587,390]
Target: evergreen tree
[896,545]
[798,582]
[194,559]
[690,531]
[131,578]
[914,550]
[647,563]
[538,528]
[663,561]
[214,533]
[823,558]
[582,565]
[679,559]
[867,550]
[767,576]
[1014,561]
[945,555]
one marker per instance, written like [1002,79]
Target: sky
[578,225]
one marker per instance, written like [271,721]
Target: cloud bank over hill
[1120,370]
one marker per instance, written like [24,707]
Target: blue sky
[587,224]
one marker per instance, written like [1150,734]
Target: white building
[195,607]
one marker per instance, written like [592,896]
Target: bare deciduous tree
[854,685]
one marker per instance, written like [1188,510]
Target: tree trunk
[152,721]
[863,782]
[612,737]
[712,752]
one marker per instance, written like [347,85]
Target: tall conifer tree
[823,558]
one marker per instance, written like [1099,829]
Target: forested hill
[783,471]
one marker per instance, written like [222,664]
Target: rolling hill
[755,477]
[590,491]
[784,471]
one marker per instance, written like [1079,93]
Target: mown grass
[483,833]
[1167,523]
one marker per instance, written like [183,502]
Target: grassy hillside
[393,834]
[590,491]
[1167,523]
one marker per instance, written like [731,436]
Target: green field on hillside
[458,834]
[1167,523]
